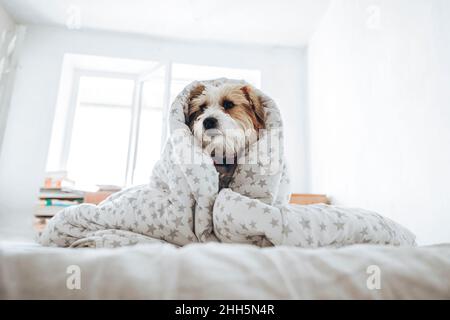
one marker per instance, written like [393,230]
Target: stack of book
[53,200]
[54,196]
[59,192]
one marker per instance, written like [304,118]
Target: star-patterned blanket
[177,205]
[182,203]
[240,219]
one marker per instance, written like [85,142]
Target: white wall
[7,26]
[28,131]
[379,110]
[6,22]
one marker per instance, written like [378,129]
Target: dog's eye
[203,107]
[227,104]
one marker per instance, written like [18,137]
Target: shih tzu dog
[225,120]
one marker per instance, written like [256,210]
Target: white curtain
[10,38]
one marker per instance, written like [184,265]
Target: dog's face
[225,119]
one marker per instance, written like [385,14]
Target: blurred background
[363,87]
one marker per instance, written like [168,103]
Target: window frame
[136,106]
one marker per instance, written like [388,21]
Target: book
[46,211]
[60,195]
[107,187]
[59,203]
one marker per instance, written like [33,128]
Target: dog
[225,120]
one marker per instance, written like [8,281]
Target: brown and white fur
[225,120]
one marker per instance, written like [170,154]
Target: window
[112,126]
[150,122]
[100,134]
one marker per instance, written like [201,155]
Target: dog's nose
[210,123]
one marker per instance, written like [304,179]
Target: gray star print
[340,214]
[250,174]
[286,230]
[274,223]
[115,244]
[178,221]
[305,223]
[364,232]
[262,183]
[251,204]
[237,199]
[339,225]
[323,227]
[173,234]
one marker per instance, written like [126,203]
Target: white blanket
[177,205]
[225,271]
[182,203]
[240,219]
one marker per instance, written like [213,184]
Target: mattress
[224,271]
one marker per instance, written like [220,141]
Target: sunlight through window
[114,126]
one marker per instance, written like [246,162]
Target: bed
[224,271]
[193,240]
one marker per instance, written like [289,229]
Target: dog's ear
[193,112]
[256,105]
[198,90]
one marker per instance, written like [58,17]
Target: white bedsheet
[224,271]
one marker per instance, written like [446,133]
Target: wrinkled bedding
[226,271]
[182,203]
[240,219]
